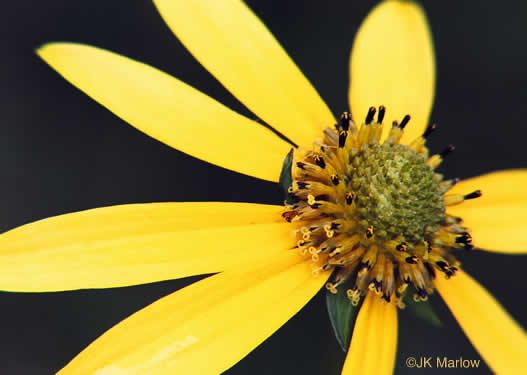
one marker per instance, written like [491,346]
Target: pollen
[374,211]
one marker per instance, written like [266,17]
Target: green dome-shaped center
[396,191]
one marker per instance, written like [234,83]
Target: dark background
[61,152]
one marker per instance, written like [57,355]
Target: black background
[61,152]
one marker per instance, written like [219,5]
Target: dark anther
[395,124]
[334,226]
[474,194]
[403,246]
[349,198]
[364,265]
[302,185]
[404,122]
[447,151]
[300,165]
[345,121]
[342,138]
[386,298]
[412,259]
[455,180]
[442,266]
[407,279]
[335,179]
[422,293]
[289,215]
[465,238]
[320,161]
[380,115]
[315,206]
[322,197]
[369,232]
[429,130]
[369,116]
[451,271]
[377,285]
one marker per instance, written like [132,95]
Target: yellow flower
[209,326]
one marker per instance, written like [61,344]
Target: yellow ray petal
[497,219]
[169,110]
[496,336]
[138,243]
[229,40]
[374,340]
[392,64]
[207,327]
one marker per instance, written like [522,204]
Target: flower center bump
[375,211]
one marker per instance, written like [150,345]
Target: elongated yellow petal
[169,110]
[392,64]
[374,340]
[497,219]
[207,327]
[229,40]
[496,336]
[138,243]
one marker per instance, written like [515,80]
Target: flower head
[376,211]
[364,201]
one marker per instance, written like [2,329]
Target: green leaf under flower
[342,315]
[286,179]
[422,310]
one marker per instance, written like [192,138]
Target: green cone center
[396,192]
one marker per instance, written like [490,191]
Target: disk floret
[375,210]
[397,192]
